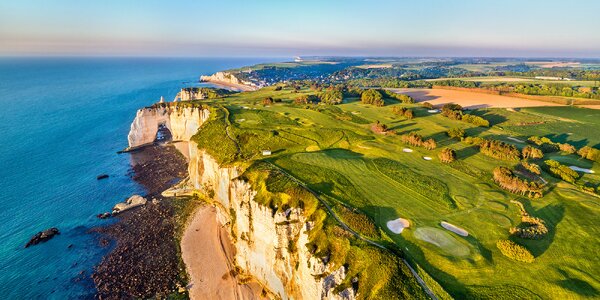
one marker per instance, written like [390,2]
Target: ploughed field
[335,152]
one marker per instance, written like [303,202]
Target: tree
[331,97]
[373,97]
[409,114]
[429,144]
[447,155]
[267,101]
[515,251]
[507,180]
[458,133]
[306,99]
[532,152]
[499,150]
[561,171]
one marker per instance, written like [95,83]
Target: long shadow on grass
[564,138]
[467,152]
[552,215]
[576,285]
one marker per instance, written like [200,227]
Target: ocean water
[62,120]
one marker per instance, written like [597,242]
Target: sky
[272,28]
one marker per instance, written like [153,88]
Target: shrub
[458,133]
[507,180]
[331,97]
[561,171]
[532,152]
[531,167]
[590,153]
[447,155]
[427,105]
[514,251]
[475,120]
[267,101]
[373,97]
[429,144]
[306,99]
[499,150]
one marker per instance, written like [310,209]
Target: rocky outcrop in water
[42,236]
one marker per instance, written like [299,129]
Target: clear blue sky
[548,28]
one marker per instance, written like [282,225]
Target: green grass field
[349,165]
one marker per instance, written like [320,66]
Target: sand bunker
[454,229]
[578,169]
[427,158]
[433,111]
[398,225]
[407,150]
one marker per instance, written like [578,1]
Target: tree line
[455,112]
[507,180]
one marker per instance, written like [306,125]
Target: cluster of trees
[507,180]
[372,96]
[561,171]
[455,112]
[531,167]
[379,127]
[499,150]
[406,99]
[515,251]
[457,133]
[331,97]
[427,105]
[530,227]
[547,145]
[306,99]
[270,100]
[474,140]
[590,153]
[447,155]
[403,111]
[561,90]
[532,152]
[417,140]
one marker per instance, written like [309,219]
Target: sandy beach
[233,86]
[208,255]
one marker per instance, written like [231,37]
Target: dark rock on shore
[102,176]
[144,263]
[42,236]
[103,216]
[157,167]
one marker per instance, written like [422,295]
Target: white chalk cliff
[183,122]
[229,79]
[262,239]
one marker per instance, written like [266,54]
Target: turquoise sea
[62,120]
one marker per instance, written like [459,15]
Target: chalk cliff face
[229,79]
[262,239]
[183,122]
[270,247]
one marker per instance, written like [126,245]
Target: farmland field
[342,159]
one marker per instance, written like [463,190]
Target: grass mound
[443,240]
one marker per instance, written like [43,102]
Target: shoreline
[239,87]
[208,254]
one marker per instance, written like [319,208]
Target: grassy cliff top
[369,179]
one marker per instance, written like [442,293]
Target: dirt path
[208,255]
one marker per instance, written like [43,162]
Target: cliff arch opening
[163,134]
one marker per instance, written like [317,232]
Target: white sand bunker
[398,225]
[454,229]
[578,169]
[427,158]
[433,111]
[407,150]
